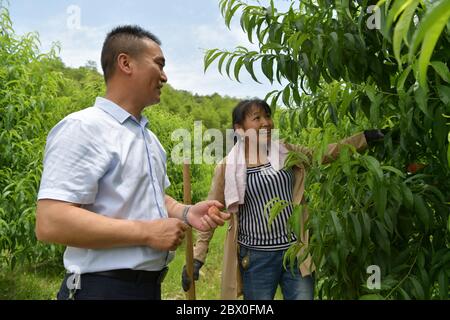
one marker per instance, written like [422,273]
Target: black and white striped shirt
[264,184]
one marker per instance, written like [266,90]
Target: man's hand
[205,215]
[166,234]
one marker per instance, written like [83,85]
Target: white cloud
[77,45]
[186,72]
[217,35]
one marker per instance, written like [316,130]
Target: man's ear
[124,63]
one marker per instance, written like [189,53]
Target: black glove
[373,136]
[185,281]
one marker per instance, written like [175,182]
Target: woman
[251,175]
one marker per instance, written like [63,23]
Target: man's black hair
[123,39]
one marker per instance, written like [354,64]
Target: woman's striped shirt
[264,184]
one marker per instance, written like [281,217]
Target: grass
[30,284]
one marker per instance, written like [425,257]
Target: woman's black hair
[244,107]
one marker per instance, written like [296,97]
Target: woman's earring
[238,135]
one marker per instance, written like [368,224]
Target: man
[102,188]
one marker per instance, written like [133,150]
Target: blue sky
[187,28]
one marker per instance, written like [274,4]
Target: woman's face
[257,123]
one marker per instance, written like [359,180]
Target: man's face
[149,76]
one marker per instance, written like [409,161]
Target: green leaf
[292,71]
[344,158]
[273,103]
[275,33]
[249,66]
[402,27]
[228,66]
[237,67]
[333,114]
[441,69]
[274,207]
[296,220]
[267,67]
[421,209]
[221,60]
[367,225]
[394,170]
[296,95]
[428,33]
[431,16]
[380,195]
[357,228]
[286,96]
[231,11]
[402,79]
[250,25]
[435,191]
[383,238]
[244,21]
[444,94]
[337,224]
[404,294]
[210,56]
[407,196]
[443,285]
[421,97]
[374,166]
[223,4]
[417,288]
[397,8]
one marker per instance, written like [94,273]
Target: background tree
[390,206]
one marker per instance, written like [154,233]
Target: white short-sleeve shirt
[106,160]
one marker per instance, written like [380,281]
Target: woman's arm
[333,150]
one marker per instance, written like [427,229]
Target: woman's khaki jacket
[231,276]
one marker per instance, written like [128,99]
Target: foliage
[32,100]
[342,76]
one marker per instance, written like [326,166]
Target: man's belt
[133,275]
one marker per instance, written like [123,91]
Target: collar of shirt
[117,112]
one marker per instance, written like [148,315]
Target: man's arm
[174,208]
[68,224]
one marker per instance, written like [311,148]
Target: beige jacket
[231,277]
